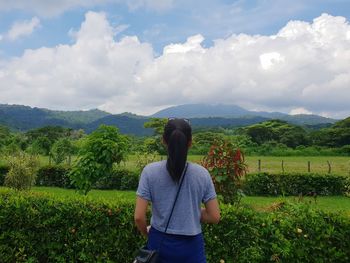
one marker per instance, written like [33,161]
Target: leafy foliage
[202,141]
[265,184]
[154,144]
[144,158]
[5,136]
[61,150]
[157,124]
[335,136]
[3,171]
[102,149]
[279,131]
[119,179]
[42,139]
[22,171]
[53,175]
[226,165]
[43,228]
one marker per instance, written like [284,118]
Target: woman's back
[157,186]
[182,241]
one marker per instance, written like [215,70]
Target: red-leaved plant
[225,162]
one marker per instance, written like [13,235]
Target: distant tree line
[273,137]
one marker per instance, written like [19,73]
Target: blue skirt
[177,248]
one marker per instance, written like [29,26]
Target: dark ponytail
[177,135]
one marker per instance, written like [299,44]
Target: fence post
[329,167]
[259,165]
[282,166]
[309,166]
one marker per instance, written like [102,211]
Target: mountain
[81,117]
[24,118]
[233,111]
[225,122]
[201,111]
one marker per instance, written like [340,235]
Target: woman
[159,183]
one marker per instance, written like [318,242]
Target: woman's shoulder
[197,168]
[154,166]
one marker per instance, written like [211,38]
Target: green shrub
[144,158]
[3,171]
[61,150]
[129,181]
[42,228]
[58,175]
[102,148]
[294,184]
[119,179]
[22,171]
[292,233]
[53,175]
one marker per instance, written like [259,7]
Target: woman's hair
[177,135]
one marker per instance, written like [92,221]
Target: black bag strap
[172,209]
[177,195]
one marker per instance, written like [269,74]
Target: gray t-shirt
[158,187]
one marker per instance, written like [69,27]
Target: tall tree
[102,148]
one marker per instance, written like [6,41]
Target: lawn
[339,164]
[329,203]
[318,164]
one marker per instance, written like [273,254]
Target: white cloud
[304,68]
[85,74]
[300,110]
[47,8]
[23,28]
[269,60]
[193,44]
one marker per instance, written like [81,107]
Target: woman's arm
[211,212]
[140,215]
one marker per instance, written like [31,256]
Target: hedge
[120,179]
[3,171]
[57,175]
[53,175]
[267,184]
[43,228]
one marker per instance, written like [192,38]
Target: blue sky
[170,24]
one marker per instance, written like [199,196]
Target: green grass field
[328,203]
[339,164]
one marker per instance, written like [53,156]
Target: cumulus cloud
[23,28]
[299,111]
[83,75]
[304,68]
[47,8]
